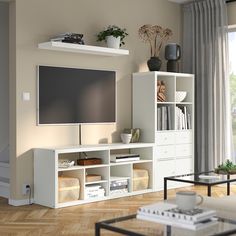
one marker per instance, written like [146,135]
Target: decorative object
[113,35]
[69,38]
[140,179]
[226,168]
[161,91]
[89,161]
[180,96]
[187,200]
[172,54]
[68,189]
[126,138]
[155,36]
[93,178]
[136,132]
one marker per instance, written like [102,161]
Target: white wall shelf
[86,49]
[46,161]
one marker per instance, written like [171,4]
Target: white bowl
[180,96]
[126,138]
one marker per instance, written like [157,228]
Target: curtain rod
[229,1]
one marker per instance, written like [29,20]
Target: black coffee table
[130,225]
[208,179]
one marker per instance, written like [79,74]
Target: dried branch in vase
[156,36]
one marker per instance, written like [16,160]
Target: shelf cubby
[169,87]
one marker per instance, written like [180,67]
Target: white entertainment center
[46,170]
[162,152]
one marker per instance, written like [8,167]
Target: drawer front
[184,137]
[183,150]
[184,166]
[165,138]
[165,151]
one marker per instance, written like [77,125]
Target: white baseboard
[21,202]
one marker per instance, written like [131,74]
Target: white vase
[113,42]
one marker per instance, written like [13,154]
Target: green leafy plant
[226,168]
[113,30]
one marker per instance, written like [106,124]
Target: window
[232,71]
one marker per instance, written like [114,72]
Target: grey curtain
[205,47]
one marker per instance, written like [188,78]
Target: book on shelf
[169,214]
[124,157]
[164,118]
[182,118]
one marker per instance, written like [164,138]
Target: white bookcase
[174,147]
[46,170]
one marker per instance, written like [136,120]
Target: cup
[126,138]
[187,200]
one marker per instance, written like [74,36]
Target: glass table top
[134,226]
[205,178]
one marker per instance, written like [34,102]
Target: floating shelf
[86,49]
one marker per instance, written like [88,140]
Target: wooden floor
[78,220]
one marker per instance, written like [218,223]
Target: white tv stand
[46,170]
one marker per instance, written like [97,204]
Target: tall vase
[154,64]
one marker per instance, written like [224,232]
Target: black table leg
[97,229]
[209,190]
[165,188]
[228,186]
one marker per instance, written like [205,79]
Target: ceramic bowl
[180,96]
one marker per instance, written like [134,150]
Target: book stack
[94,191]
[169,214]
[118,186]
[124,157]
[164,118]
[182,118]
[69,38]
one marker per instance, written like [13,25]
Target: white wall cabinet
[46,170]
[169,124]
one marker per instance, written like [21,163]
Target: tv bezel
[74,124]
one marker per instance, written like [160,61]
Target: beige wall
[37,21]
[232,13]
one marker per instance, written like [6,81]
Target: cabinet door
[183,166]
[163,169]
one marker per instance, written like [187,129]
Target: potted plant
[226,168]
[113,35]
[155,36]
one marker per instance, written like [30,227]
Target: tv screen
[74,96]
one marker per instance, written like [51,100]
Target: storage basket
[140,179]
[68,189]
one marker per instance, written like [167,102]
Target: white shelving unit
[86,49]
[46,170]
[174,147]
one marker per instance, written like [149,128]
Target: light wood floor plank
[37,220]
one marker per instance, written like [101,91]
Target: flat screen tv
[76,96]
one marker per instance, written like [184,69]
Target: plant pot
[113,42]
[154,64]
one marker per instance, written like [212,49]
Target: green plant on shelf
[113,30]
[226,168]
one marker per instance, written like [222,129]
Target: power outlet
[25,189]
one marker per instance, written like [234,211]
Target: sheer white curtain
[205,54]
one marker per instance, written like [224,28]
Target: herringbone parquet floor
[36,220]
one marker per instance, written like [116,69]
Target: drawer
[165,151]
[183,150]
[184,137]
[164,138]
